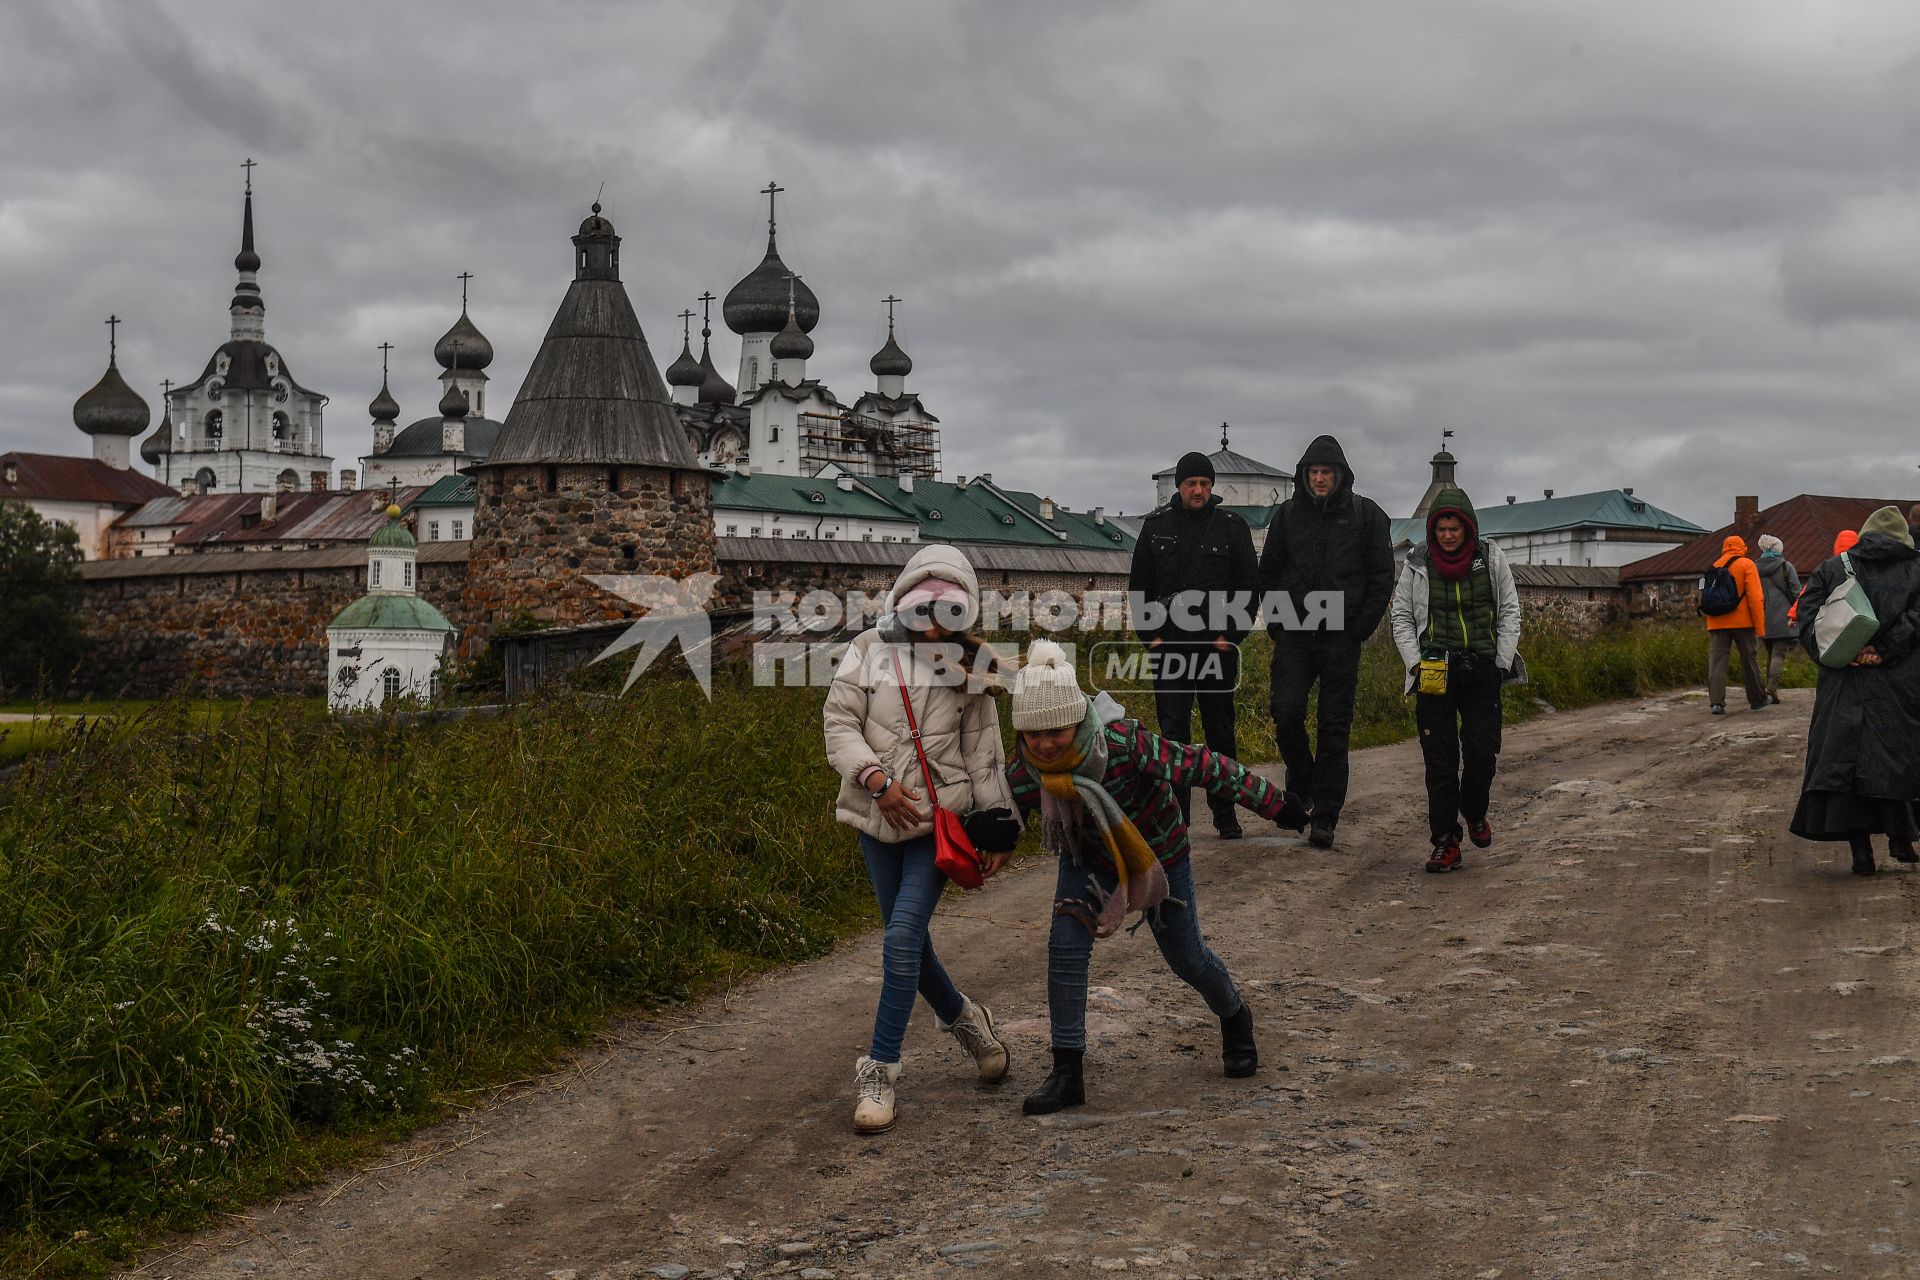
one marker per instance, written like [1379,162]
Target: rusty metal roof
[1806,524]
[215,562]
[1573,576]
[53,478]
[235,518]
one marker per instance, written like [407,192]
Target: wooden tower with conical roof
[591,473]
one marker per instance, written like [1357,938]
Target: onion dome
[453,404]
[111,407]
[463,346]
[392,533]
[791,343]
[160,443]
[761,301]
[715,389]
[890,359]
[686,371]
[384,407]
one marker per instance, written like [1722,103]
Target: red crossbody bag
[953,852]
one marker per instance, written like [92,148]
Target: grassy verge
[240,943]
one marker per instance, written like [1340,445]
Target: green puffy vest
[1463,616]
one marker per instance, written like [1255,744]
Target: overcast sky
[1674,246]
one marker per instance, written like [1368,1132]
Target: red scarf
[1452,566]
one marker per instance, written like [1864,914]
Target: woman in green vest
[1456,622]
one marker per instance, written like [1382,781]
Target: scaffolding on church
[866,446]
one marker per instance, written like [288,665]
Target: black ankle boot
[1237,1050]
[1064,1086]
[1862,856]
[1902,851]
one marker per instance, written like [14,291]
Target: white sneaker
[873,1083]
[975,1032]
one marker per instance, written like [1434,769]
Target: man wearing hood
[1324,539]
[1195,548]
[1456,623]
[1738,628]
[1780,582]
[1863,743]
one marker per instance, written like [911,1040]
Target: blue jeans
[908,887]
[1175,927]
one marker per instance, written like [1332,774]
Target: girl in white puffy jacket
[924,644]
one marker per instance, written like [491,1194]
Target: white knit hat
[1046,693]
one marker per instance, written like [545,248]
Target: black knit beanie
[1191,465]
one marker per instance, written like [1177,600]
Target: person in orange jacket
[1736,627]
[1842,541]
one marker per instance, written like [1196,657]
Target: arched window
[205,480]
[406,573]
[390,685]
[373,574]
[753,373]
[282,429]
[287,481]
[215,424]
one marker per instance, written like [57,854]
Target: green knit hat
[1889,521]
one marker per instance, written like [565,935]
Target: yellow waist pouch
[1433,675]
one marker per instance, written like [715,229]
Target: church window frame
[373,573]
[390,685]
[433,531]
[458,526]
[406,573]
[215,425]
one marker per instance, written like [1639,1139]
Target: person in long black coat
[1863,746]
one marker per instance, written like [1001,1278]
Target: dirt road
[1647,1034]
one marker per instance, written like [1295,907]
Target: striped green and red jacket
[1143,768]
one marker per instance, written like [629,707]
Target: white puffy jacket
[866,725]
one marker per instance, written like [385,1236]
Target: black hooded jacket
[1210,550]
[1864,738]
[1342,542]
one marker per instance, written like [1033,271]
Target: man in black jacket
[1196,548]
[1324,539]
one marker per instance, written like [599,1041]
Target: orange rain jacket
[1752,611]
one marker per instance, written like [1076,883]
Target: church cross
[686,328]
[890,300]
[1223,437]
[113,336]
[248,165]
[384,348]
[706,314]
[771,190]
[463,277]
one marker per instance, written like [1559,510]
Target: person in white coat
[1456,622]
[922,649]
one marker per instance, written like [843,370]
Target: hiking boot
[1445,855]
[1294,814]
[1063,1087]
[1238,1054]
[1862,856]
[873,1087]
[975,1031]
[1228,828]
[1321,836]
[1481,833]
[1718,709]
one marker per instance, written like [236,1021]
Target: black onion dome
[686,371]
[160,442]
[384,407]
[715,389]
[454,403]
[890,359]
[111,407]
[463,346]
[790,343]
[758,304]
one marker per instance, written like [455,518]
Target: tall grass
[229,935]
[220,936]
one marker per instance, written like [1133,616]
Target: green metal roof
[1256,517]
[390,611]
[391,534]
[983,512]
[447,491]
[1603,509]
[797,495]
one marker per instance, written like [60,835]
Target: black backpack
[1719,593]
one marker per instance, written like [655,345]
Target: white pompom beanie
[1046,693]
